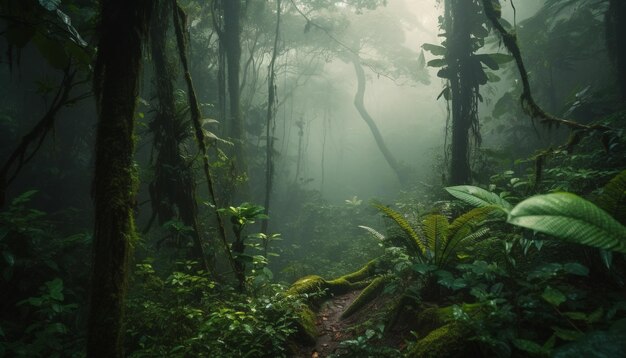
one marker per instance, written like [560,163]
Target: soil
[332,329]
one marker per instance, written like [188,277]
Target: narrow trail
[332,329]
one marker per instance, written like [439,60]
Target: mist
[312,178]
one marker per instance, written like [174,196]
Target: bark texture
[122,27]
[463,88]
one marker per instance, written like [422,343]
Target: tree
[230,43]
[616,40]
[172,192]
[386,56]
[123,25]
[463,85]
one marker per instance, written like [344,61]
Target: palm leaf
[415,243]
[571,218]
[435,228]
[478,197]
[613,198]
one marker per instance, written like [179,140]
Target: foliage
[439,241]
[366,345]
[185,313]
[478,197]
[42,280]
[569,217]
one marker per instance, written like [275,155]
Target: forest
[313,178]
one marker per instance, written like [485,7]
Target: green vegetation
[479,215]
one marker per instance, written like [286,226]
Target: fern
[415,243]
[375,233]
[571,218]
[435,228]
[478,197]
[613,198]
[466,229]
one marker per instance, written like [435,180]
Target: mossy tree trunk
[462,89]
[172,191]
[231,41]
[122,29]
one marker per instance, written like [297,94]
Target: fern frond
[468,222]
[435,228]
[376,234]
[613,198]
[466,229]
[414,243]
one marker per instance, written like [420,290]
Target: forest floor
[332,329]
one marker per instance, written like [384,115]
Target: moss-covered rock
[447,341]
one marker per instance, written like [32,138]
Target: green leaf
[567,334]
[488,61]
[444,73]
[553,296]
[530,347]
[438,62]
[478,197]
[571,218]
[436,50]
[576,269]
[501,58]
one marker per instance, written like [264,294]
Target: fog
[341,158]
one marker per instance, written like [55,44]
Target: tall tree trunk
[180,20]
[462,88]
[116,75]
[269,135]
[616,40]
[172,191]
[360,106]
[231,42]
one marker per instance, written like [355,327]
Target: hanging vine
[196,116]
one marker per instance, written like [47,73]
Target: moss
[368,294]
[364,273]
[307,285]
[339,286]
[446,341]
[307,330]
[435,317]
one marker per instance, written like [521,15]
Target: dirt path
[331,328]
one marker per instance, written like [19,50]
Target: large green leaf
[478,197]
[571,218]
[435,49]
